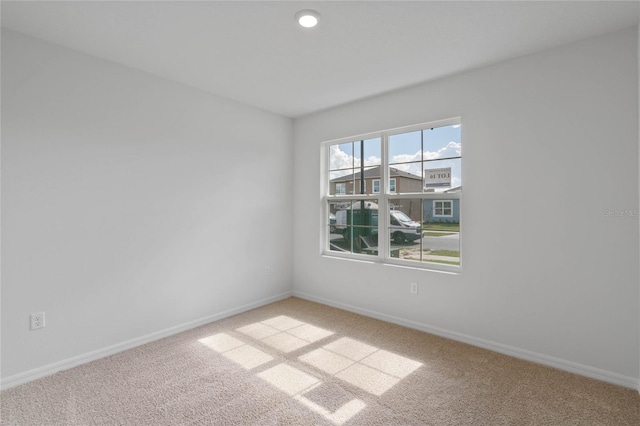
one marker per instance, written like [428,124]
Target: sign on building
[437,178]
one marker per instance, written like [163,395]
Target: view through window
[396,195]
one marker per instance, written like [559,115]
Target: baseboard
[560,364]
[66,364]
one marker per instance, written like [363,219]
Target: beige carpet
[299,363]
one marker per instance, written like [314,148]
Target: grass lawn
[452,227]
[449,253]
[437,234]
[446,262]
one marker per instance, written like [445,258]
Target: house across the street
[442,211]
[433,210]
[399,181]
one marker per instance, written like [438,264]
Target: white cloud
[372,161]
[452,149]
[406,158]
[339,159]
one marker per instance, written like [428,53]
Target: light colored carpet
[300,363]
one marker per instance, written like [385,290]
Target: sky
[405,153]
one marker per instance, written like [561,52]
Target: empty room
[252,213]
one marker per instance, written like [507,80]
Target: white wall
[550,142]
[131,205]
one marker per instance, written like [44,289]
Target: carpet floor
[296,362]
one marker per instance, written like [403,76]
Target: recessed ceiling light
[308,18]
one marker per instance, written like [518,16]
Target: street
[446,242]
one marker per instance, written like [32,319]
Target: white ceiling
[255,53]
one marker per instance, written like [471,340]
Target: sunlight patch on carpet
[288,379]
[237,351]
[310,333]
[364,366]
[336,413]
[258,331]
[284,333]
[392,364]
[354,363]
[285,342]
[351,348]
[282,322]
[326,361]
[248,357]
[221,342]
[368,379]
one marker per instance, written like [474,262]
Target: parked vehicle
[362,220]
[403,228]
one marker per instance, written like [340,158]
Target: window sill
[395,263]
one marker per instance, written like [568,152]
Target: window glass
[405,148]
[353,226]
[352,164]
[420,197]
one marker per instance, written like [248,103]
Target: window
[392,185]
[412,215]
[442,208]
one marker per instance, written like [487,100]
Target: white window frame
[433,211]
[392,185]
[384,198]
[343,185]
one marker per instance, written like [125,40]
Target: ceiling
[255,53]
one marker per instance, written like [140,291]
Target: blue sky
[405,152]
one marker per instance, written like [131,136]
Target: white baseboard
[66,364]
[560,364]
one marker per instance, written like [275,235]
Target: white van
[403,228]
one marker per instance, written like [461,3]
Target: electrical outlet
[413,288]
[37,320]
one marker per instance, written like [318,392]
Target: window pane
[419,236]
[441,231]
[405,217]
[338,182]
[442,142]
[407,178]
[443,175]
[405,148]
[341,156]
[346,163]
[366,152]
[372,149]
[355,226]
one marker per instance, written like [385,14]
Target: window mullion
[383,203]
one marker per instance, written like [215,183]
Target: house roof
[374,172]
